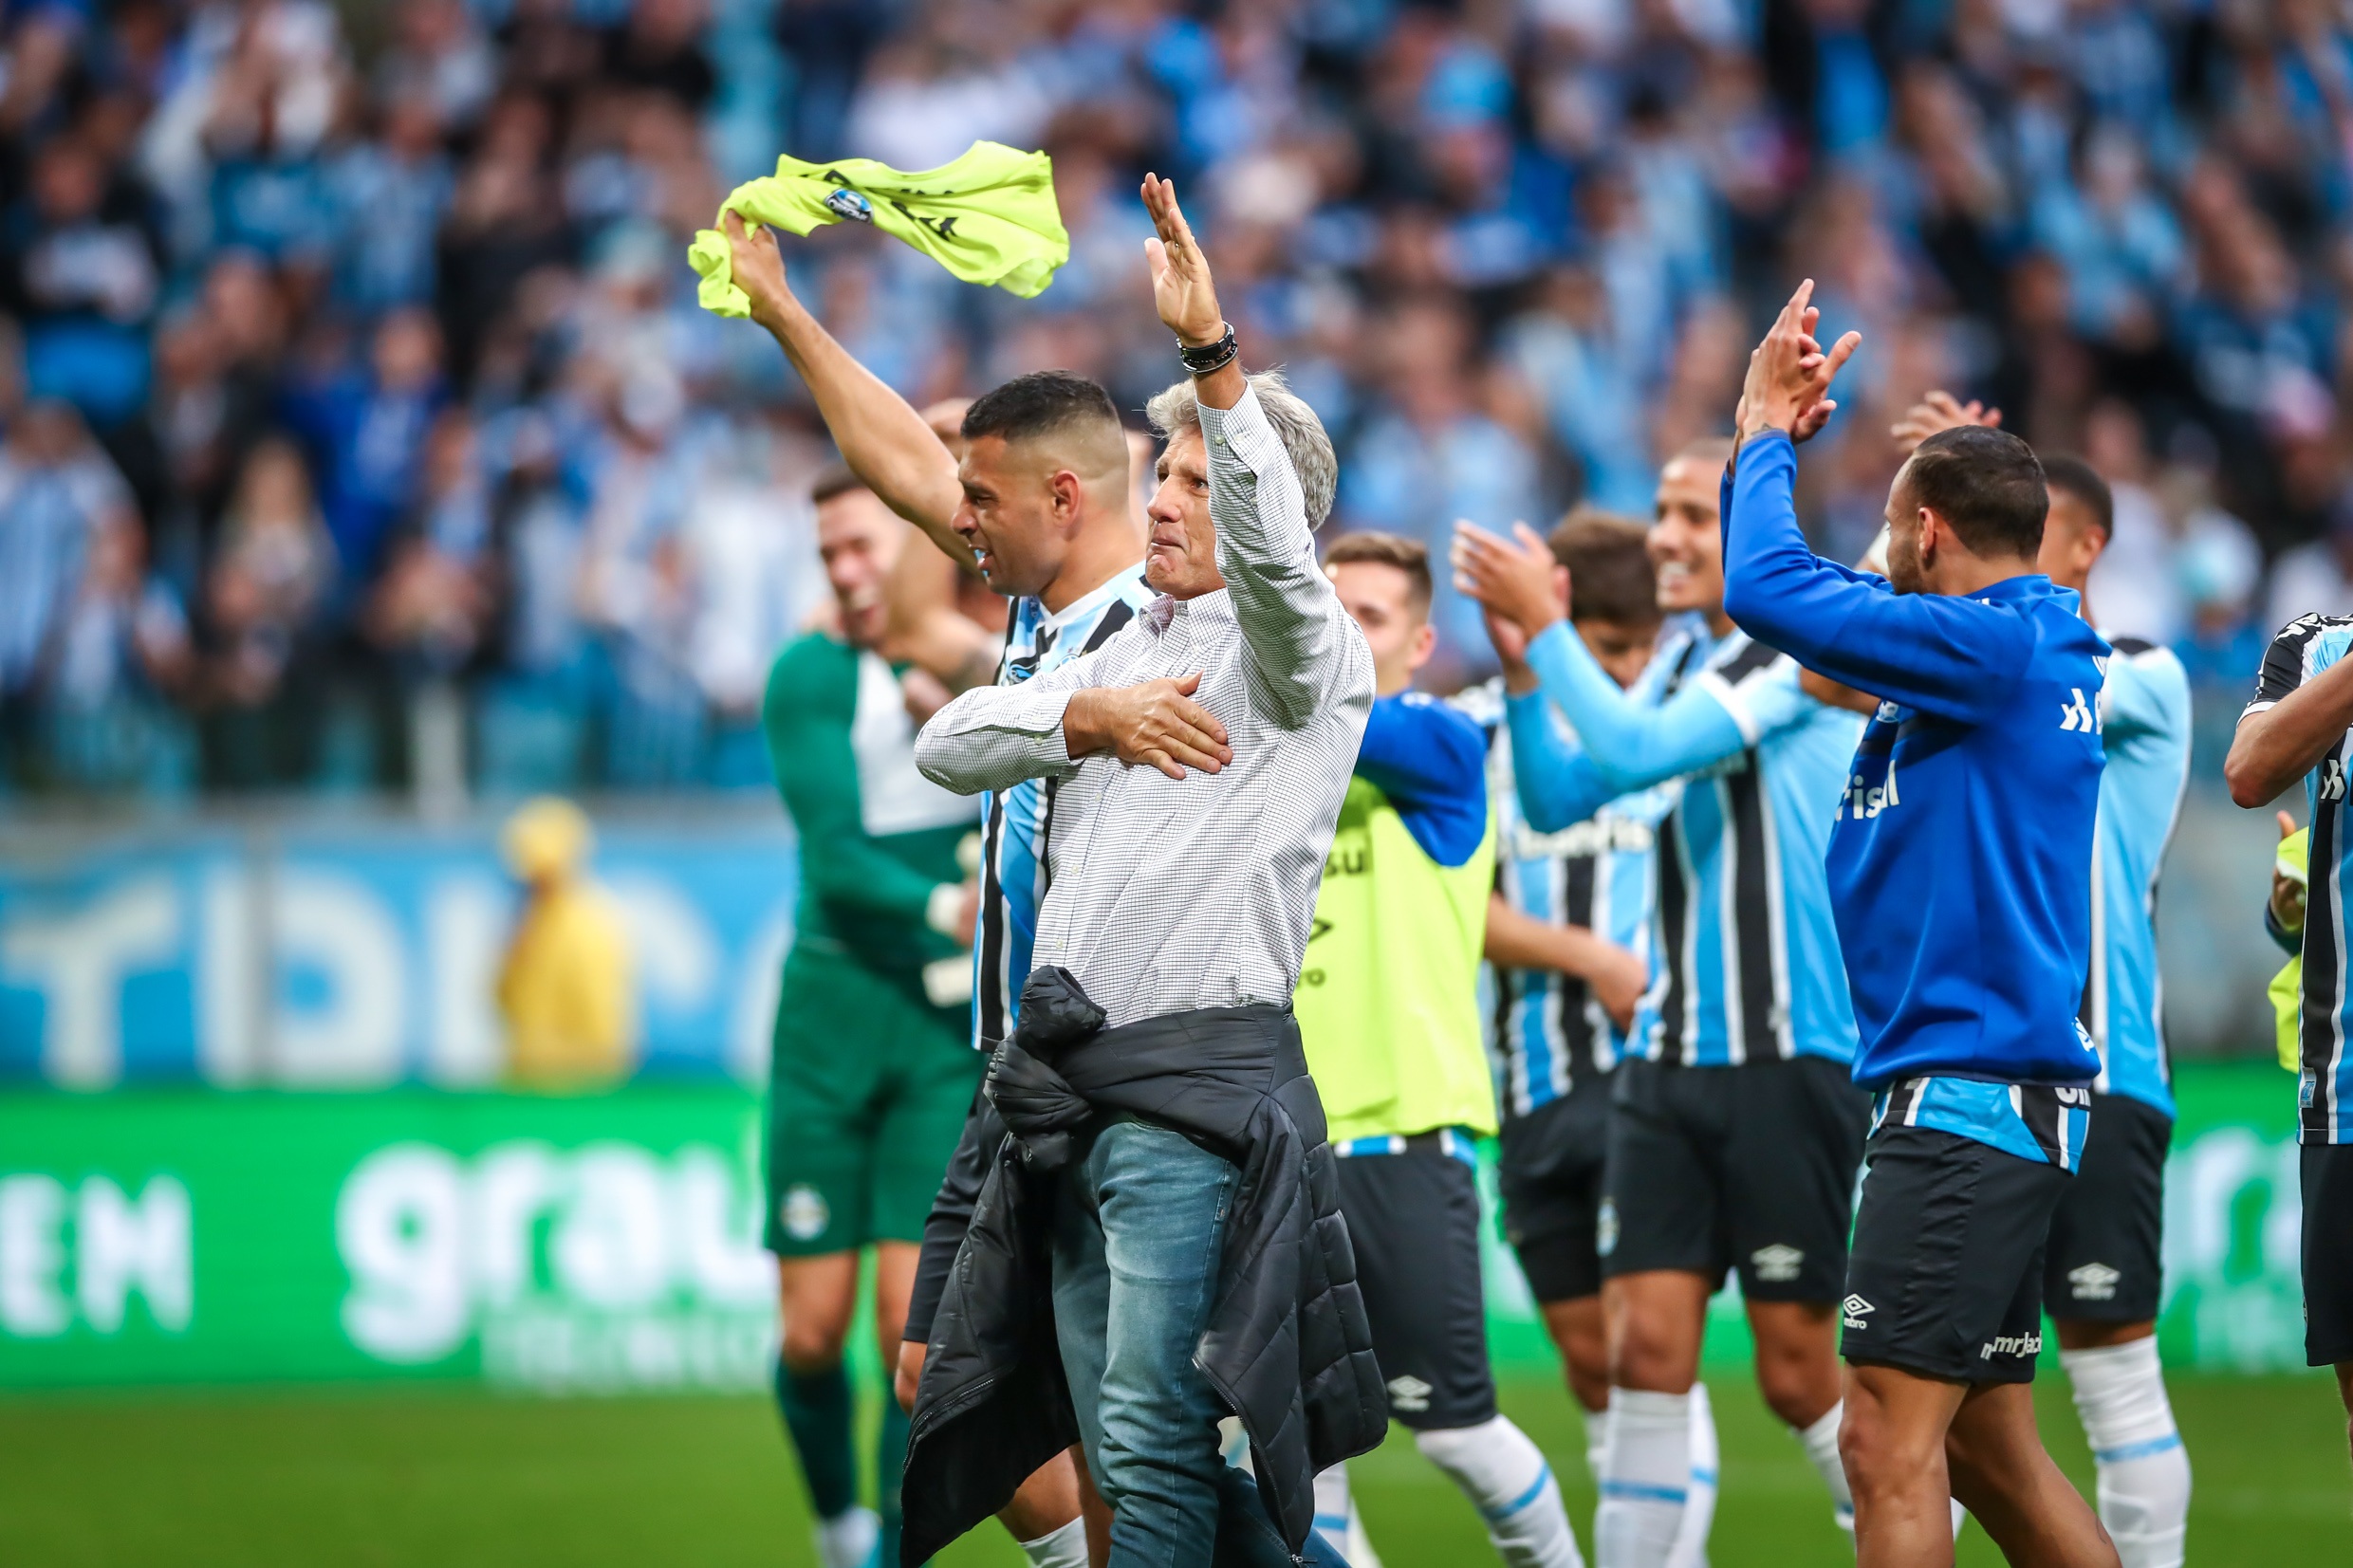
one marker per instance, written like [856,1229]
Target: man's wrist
[1080,735]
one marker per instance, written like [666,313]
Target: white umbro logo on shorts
[806,1213]
[1777,1262]
[1605,1228]
[1856,1306]
[1409,1394]
[2093,1282]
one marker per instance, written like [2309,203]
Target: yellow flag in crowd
[989,217]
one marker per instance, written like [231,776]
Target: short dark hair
[1611,575]
[2079,479]
[1986,483]
[1410,556]
[1034,404]
[834,479]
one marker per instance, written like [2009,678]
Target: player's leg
[1892,1436]
[1794,1143]
[1944,1296]
[2101,1277]
[819,1128]
[1414,1219]
[2327,1182]
[816,1296]
[922,1116]
[1664,1251]
[1997,1467]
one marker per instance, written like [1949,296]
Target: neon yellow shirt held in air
[989,217]
[1388,992]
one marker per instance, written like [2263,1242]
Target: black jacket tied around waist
[1288,1346]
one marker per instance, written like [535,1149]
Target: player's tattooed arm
[2278,746]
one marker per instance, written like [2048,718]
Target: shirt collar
[1095,600]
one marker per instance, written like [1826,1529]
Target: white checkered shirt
[1204,887]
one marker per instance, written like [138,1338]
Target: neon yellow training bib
[1388,993]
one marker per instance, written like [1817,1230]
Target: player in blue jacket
[2103,1272]
[1959,875]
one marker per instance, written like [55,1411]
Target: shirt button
[1219,440]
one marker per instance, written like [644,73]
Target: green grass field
[449,1479]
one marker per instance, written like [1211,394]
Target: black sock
[816,1408]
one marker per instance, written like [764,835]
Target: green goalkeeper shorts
[867,1097]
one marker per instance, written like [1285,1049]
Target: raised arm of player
[2291,725]
[1628,743]
[884,439]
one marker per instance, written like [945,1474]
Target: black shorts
[1753,1166]
[2328,1253]
[1549,1174]
[1946,1279]
[1414,1219]
[952,1214]
[2104,1264]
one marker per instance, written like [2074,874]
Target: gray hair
[1295,425]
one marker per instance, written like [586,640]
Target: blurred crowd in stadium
[360,427]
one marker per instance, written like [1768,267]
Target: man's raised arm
[884,439]
[1302,650]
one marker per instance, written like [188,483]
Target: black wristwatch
[1217,356]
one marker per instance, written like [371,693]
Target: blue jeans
[1137,1237]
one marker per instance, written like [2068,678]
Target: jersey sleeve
[1758,687]
[1557,782]
[2297,654]
[1431,762]
[2147,691]
[1633,742]
[805,716]
[1940,653]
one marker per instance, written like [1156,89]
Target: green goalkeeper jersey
[876,836]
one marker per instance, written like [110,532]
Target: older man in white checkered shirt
[1196,763]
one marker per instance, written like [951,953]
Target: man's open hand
[757,266]
[1940,411]
[1155,722]
[1518,579]
[1181,290]
[2288,894]
[1788,384]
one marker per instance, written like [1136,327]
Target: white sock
[1506,1478]
[2144,1472]
[1821,1440]
[1063,1548]
[1690,1537]
[848,1539]
[1645,1478]
[1338,1521]
[1596,1442]
[1960,1516]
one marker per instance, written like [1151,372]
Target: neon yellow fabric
[989,217]
[2286,988]
[1387,999]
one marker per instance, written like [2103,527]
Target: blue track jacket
[1960,864]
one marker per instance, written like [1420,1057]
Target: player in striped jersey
[1569,941]
[2101,1272]
[2299,726]
[1041,501]
[1735,1129]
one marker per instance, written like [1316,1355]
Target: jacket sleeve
[808,745]
[1431,762]
[1942,653]
[1632,744]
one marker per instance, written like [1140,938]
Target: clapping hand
[1940,411]
[756,266]
[1790,374]
[1516,579]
